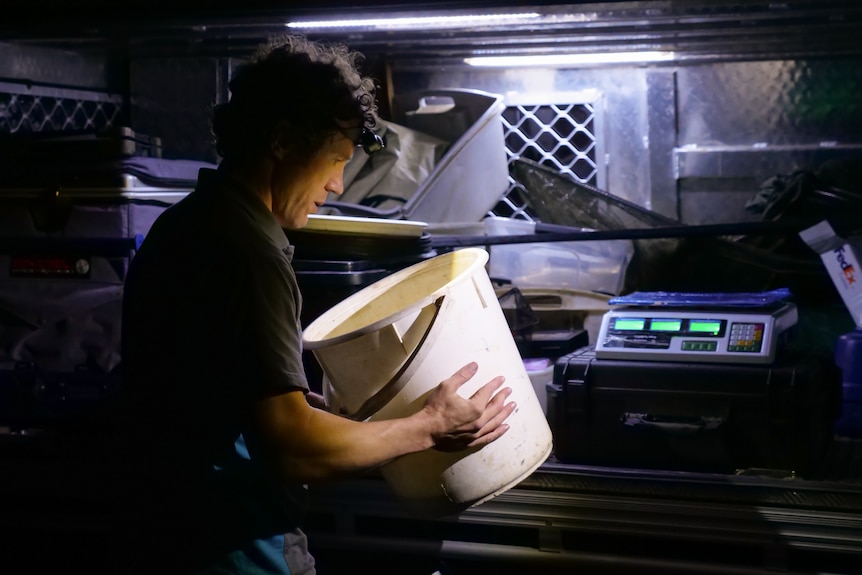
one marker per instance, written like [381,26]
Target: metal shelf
[609,520]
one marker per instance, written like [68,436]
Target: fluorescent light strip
[416,22]
[570,59]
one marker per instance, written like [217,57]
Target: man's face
[298,192]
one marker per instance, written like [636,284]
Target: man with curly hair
[222,431]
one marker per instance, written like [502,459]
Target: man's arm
[303,443]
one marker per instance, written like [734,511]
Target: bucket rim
[480,255]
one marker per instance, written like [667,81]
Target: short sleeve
[269,324]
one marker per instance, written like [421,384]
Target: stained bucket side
[470,326]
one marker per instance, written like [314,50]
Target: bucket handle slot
[385,394]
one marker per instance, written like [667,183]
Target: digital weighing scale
[679,327]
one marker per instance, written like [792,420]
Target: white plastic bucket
[384,348]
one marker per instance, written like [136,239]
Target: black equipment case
[708,417]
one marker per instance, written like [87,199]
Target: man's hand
[461,423]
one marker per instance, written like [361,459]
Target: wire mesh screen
[561,136]
[31,110]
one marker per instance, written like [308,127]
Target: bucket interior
[394,295]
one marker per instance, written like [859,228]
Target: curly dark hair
[295,92]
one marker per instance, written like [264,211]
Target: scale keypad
[745,337]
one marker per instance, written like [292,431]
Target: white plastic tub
[384,348]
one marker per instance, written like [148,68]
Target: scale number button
[746,337]
[689,345]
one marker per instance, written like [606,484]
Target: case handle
[672,424]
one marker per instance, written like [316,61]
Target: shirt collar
[255,207]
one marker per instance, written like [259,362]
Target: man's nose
[335,185]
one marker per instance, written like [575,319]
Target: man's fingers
[481,416]
[484,393]
[464,374]
[497,410]
[497,417]
[489,437]
[491,423]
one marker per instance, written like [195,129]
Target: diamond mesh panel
[55,113]
[560,136]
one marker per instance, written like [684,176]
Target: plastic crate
[472,174]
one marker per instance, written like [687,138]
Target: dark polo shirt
[210,326]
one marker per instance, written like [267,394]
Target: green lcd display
[665,325]
[704,326]
[629,324]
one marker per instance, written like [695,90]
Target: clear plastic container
[583,265]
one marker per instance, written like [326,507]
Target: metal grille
[560,136]
[25,110]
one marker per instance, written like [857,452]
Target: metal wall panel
[775,102]
[55,67]
[745,122]
[661,138]
[172,98]
[696,141]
